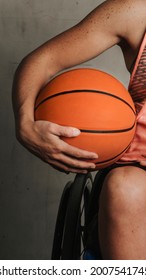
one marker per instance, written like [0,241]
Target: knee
[124,190]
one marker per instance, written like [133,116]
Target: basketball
[94,102]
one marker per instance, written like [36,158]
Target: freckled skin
[109,24]
[123,199]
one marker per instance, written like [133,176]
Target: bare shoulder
[134,15]
[122,17]
[133,21]
[121,22]
[110,23]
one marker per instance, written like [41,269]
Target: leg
[122,214]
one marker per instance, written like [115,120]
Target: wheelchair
[76,230]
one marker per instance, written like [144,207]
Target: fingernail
[75,132]
[95,156]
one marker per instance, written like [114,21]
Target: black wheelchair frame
[75,219]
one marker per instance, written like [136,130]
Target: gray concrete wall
[30,189]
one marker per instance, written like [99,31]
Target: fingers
[69,164]
[66,148]
[47,144]
[65,131]
[78,153]
[64,168]
[70,158]
[73,162]
[143,162]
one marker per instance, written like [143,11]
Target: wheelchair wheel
[92,242]
[95,193]
[59,228]
[70,231]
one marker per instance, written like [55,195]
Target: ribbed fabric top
[137,85]
[137,89]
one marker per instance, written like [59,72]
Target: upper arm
[86,40]
[101,29]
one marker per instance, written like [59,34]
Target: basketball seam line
[108,131]
[113,157]
[85,90]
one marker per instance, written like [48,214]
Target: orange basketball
[97,104]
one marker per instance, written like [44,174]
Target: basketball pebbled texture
[97,104]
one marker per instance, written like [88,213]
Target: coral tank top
[137,88]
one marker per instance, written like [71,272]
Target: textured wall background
[30,189]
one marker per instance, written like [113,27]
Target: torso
[135,58]
[130,47]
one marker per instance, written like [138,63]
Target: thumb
[67,131]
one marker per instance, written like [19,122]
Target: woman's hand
[42,138]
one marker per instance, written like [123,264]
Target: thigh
[122,214]
[124,188]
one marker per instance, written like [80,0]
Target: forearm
[31,75]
